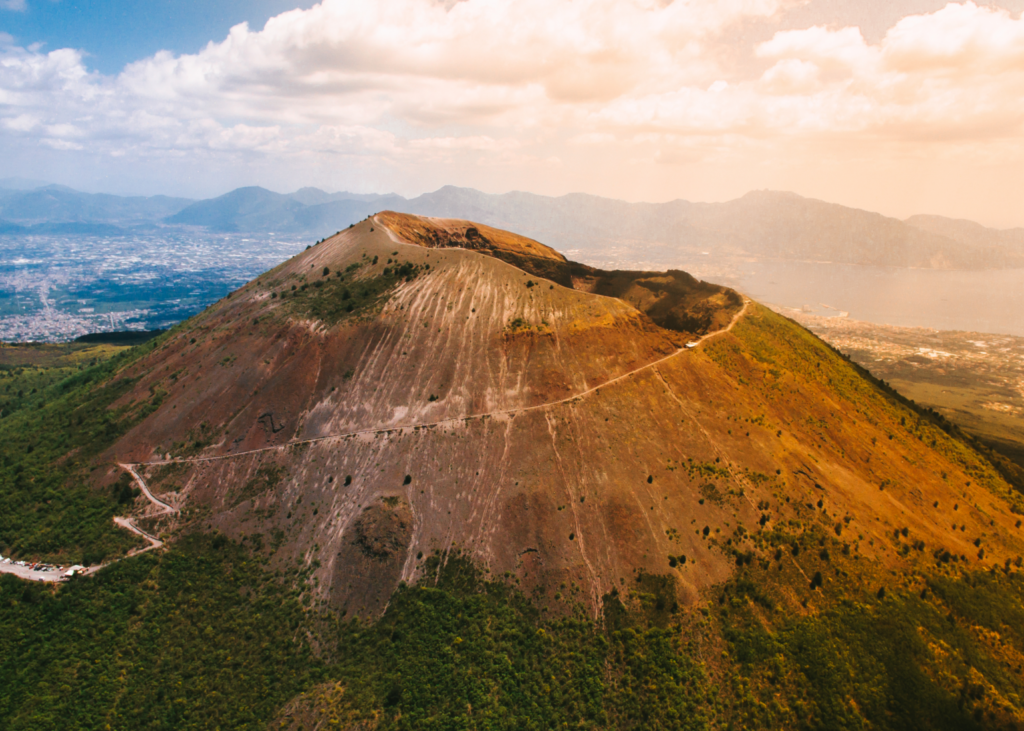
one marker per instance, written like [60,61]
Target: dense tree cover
[197,637]
[448,657]
[947,655]
[459,652]
[47,442]
[203,636]
[23,386]
[27,370]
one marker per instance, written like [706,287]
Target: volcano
[416,387]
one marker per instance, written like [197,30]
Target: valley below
[57,287]
[976,380]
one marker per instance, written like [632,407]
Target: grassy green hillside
[56,419]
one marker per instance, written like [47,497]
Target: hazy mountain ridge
[763,224]
[969,232]
[57,204]
[760,224]
[80,228]
[255,209]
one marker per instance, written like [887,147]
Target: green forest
[204,636]
[198,637]
[55,421]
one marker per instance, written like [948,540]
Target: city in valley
[976,380]
[54,288]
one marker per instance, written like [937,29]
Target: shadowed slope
[435,233]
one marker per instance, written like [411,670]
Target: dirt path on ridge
[451,420]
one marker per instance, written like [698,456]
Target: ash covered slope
[361,331]
[372,401]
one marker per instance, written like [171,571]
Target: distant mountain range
[308,210]
[761,224]
[52,204]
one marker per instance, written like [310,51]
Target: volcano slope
[544,506]
[371,401]
[400,390]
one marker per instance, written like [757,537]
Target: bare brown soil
[448,233]
[555,433]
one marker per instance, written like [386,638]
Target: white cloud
[963,40]
[460,86]
[958,71]
[346,65]
[426,64]
[593,138]
[64,130]
[480,142]
[21,123]
[17,5]
[209,134]
[791,75]
[842,49]
[61,144]
[350,140]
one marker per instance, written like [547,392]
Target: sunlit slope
[459,404]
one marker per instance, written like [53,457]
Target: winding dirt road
[450,421]
[28,574]
[127,524]
[165,508]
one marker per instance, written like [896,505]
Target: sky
[901,107]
